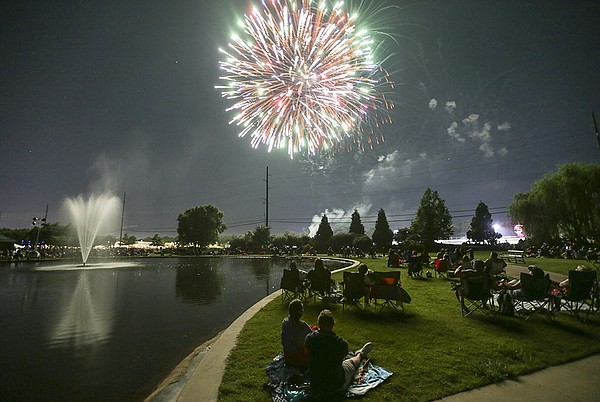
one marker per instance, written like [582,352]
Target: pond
[114,331]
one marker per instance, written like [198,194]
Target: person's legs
[352,364]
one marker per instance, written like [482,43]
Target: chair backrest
[497,267]
[386,285]
[534,288]
[581,284]
[441,265]
[320,280]
[391,278]
[353,285]
[476,286]
[290,280]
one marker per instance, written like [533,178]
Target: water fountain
[89,215]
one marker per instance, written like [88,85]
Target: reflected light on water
[85,321]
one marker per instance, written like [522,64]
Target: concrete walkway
[198,377]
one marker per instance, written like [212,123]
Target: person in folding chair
[292,286]
[578,292]
[496,266]
[476,285]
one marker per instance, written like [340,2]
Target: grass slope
[432,351]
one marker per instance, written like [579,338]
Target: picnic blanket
[289,384]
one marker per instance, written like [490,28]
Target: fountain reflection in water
[89,215]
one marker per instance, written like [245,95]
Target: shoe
[364,351]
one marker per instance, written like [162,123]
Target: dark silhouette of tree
[433,220]
[482,226]
[382,236]
[157,240]
[363,242]
[200,226]
[356,226]
[562,205]
[342,240]
[260,239]
[129,240]
[322,239]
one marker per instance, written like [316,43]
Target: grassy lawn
[432,351]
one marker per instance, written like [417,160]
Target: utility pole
[122,218]
[267,199]
[596,127]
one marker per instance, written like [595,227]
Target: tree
[433,220]
[401,235]
[156,240]
[200,226]
[356,226]
[482,226]
[561,205]
[260,239]
[363,243]
[382,236]
[341,240]
[322,239]
[129,240]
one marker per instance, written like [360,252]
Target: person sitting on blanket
[330,372]
[293,332]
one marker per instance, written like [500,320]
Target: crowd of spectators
[573,250]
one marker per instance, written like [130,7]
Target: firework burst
[303,76]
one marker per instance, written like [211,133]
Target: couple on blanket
[321,351]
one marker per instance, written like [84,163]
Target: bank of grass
[432,351]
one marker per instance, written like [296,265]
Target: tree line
[562,206]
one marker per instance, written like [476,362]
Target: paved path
[198,377]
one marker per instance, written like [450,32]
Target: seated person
[301,275]
[534,271]
[464,266]
[368,280]
[393,259]
[442,263]
[330,372]
[495,265]
[414,264]
[476,267]
[320,277]
[562,287]
[293,333]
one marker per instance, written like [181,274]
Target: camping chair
[354,290]
[581,294]
[497,268]
[441,268]
[473,293]
[319,283]
[291,286]
[414,266]
[533,297]
[387,289]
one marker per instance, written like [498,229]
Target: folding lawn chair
[319,283]
[533,297]
[291,286]
[387,290]
[473,293]
[353,291]
[441,268]
[580,297]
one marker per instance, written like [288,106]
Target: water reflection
[198,284]
[262,271]
[88,315]
[113,334]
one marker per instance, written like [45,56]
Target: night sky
[120,96]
